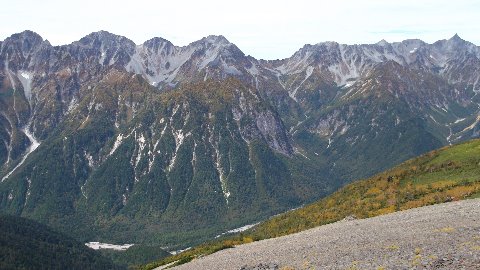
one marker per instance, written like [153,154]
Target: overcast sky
[261,28]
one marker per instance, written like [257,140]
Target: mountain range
[108,140]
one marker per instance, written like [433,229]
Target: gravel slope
[444,236]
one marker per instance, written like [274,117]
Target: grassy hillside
[448,174]
[25,244]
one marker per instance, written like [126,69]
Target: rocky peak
[456,38]
[327,44]
[320,50]
[23,42]
[100,36]
[26,36]
[19,49]
[454,41]
[156,44]
[103,40]
[455,44]
[383,43]
[104,48]
[215,39]
[219,45]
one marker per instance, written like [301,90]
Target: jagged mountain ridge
[272,134]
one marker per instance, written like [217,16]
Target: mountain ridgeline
[113,141]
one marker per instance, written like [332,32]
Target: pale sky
[261,28]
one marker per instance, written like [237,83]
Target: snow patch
[152,154]
[459,120]
[238,230]
[82,189]
[103,55]
[141,145]
[472,126]
[73,104]
[297,151]
[33,145]
[179,251]
[179,138]
[29,184]
[243,228]
[26,78]
[449,135]
[90,160]
[329,142]
[117,143]
[98,245]
[221,175]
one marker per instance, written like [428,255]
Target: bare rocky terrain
[444,236]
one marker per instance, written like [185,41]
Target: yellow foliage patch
[446,230]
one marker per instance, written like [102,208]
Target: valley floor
[444,236]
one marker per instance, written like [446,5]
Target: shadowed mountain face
[115,141]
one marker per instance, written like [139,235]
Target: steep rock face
[107,135]
[165,65]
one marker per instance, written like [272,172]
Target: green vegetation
[25,244]
[135,255]
[448,174]
[451,173]
[138,194]
[183,150]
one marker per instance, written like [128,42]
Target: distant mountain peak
[456,38]
[102,34]
[103,37]
[216,39]
[329,44]
[157,40]
[29,33]
[156,43]
[26,35]
[24,42]
[382,43]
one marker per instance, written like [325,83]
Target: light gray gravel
[444,236]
